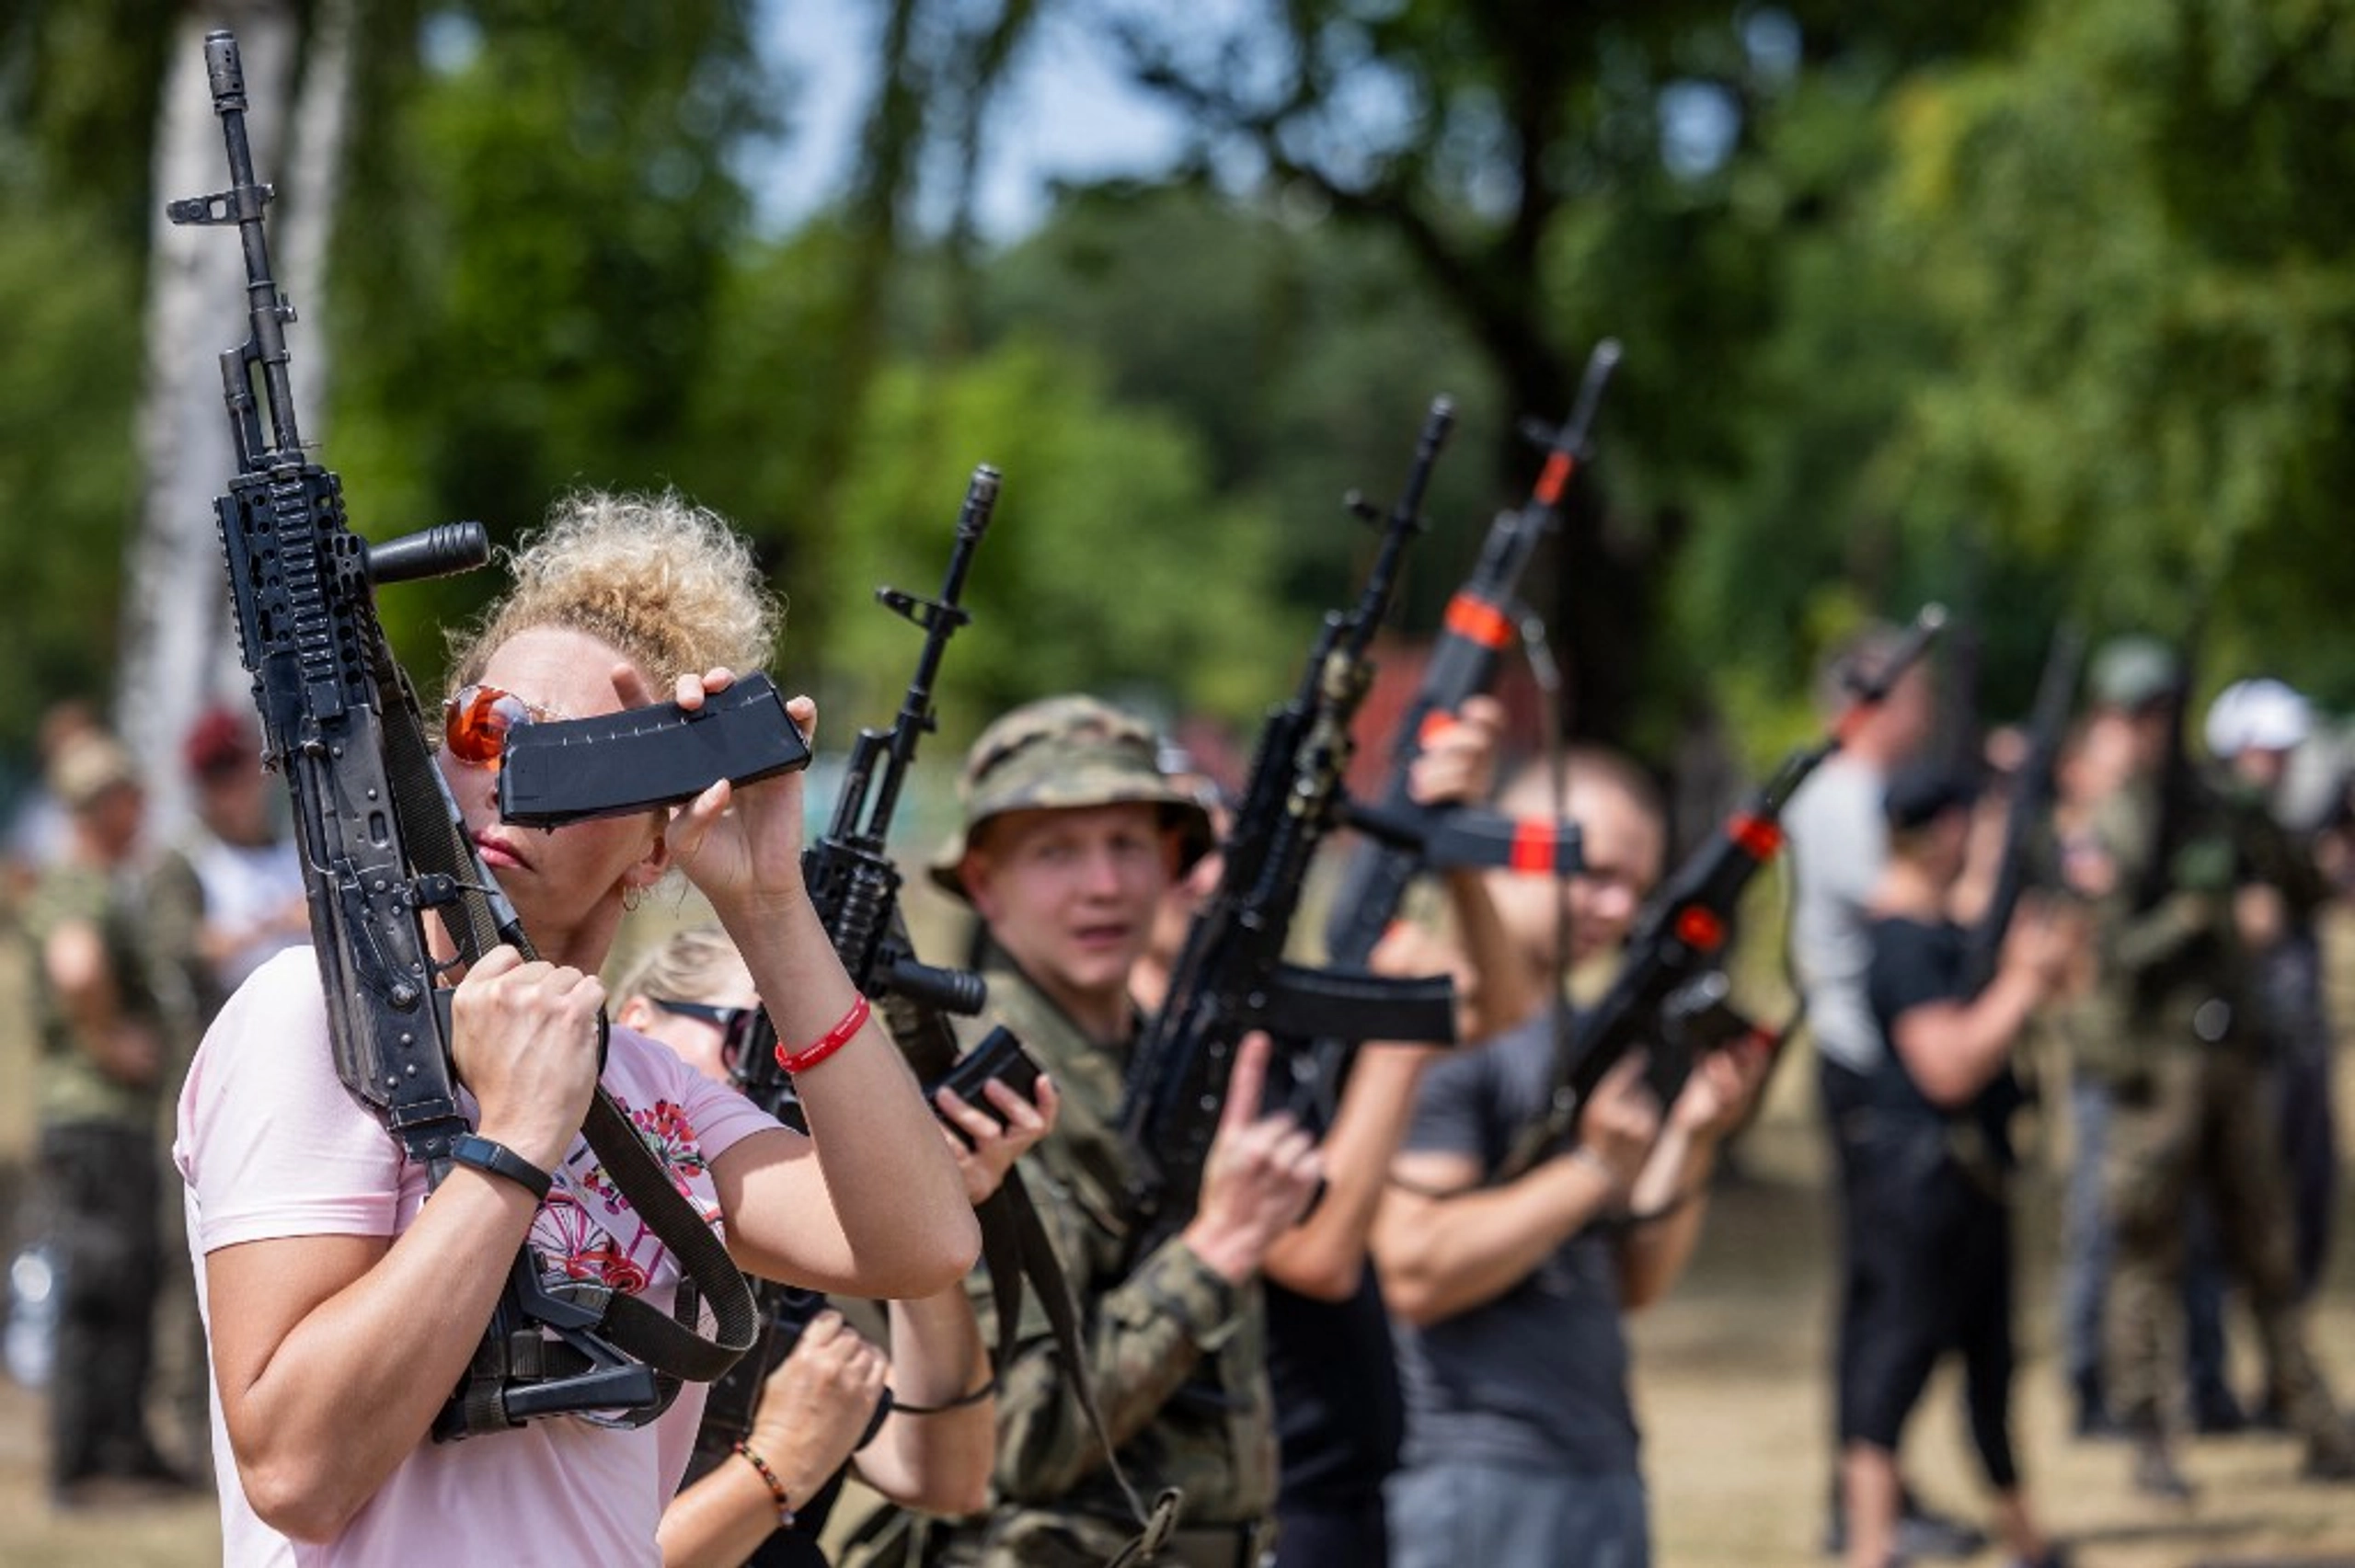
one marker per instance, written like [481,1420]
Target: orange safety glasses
[475,723]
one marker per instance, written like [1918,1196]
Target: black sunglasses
[734,1023]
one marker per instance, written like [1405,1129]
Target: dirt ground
[1731,1388]
[1732,1394]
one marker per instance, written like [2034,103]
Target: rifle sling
[1014,1245]
[670,1345]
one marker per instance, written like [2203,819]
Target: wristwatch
[496,1159]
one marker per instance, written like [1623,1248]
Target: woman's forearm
[721,1520]
[308,1330]
[894,1189]
[935,1449]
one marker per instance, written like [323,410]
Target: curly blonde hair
[669,584]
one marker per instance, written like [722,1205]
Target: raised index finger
[1244,1085]
[630,687]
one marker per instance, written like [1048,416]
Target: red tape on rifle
[1757,837]
[1534,839]
[1555,477]
[1481,622]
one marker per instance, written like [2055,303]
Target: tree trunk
[179,648]
[314,180]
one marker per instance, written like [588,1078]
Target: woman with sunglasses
[343,1306]
[933,1452]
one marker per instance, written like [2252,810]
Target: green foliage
[1301,351]
[2032,306]
[1112,565]
[68,364]
[2134,231]
[540,217]
[77,93]
[79,84]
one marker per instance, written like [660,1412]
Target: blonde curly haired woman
[342,1308]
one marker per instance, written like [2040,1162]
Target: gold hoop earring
[632,897]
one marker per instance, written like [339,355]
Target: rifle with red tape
[1402,837]
[1668,997]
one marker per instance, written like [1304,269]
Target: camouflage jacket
[74,1088]
[2173,969]
[1178,1354]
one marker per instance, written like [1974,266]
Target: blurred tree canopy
[78,88]
[2034,307]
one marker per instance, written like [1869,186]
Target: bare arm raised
[870,1203]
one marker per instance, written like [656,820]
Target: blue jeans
[1464,1514]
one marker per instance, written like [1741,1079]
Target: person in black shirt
[1923,1159]
[1332,1366]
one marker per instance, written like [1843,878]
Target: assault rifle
[383,845]
[1681,935]
[1403,836]
[2032,785]
[1231,976]
[854,888]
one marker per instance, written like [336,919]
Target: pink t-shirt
[272,1146]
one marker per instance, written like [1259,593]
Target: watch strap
[496,1159]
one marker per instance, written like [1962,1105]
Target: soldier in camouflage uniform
[2187,1069]
[101,1065]
[1071,834]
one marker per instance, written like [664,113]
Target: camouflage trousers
[2202,1121]
[1040,1538]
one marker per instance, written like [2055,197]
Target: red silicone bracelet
[828,1043]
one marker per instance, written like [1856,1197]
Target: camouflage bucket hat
[88,767]
[1067,752]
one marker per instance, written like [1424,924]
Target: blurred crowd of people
[2163,989]
[1384,1335]
[132,945]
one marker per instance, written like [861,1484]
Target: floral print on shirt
[587,1229]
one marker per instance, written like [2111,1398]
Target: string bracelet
[844,1030]
[777,1487]
[962,1401]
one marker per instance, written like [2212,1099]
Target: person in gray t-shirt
[1840,844]
[1522,1445]
[1838,851]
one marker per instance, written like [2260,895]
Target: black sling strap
[1015,1248]
[593,1322]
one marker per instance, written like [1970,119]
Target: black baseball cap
[1919,794]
